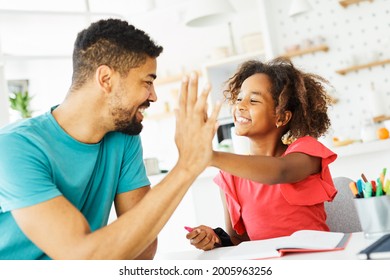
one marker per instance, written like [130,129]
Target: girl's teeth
[242,120]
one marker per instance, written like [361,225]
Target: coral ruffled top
[268,211]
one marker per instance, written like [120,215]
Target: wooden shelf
[362,66]
[381,118]
[346,3]
[173,78]
[319,48]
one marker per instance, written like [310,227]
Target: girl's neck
[268,148]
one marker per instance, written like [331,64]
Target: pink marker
[189,229]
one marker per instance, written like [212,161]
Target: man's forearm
[149,252]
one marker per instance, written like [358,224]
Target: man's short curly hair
[292,90]
[110,42]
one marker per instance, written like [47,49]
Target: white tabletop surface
[356,243]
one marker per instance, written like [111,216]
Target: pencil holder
[374,215]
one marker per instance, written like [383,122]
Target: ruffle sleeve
[226,182]
[317,188]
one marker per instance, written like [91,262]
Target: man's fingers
[201,104]
[183,95]
[214,114]
[192,92]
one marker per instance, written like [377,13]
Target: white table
[356,243]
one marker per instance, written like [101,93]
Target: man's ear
[103,77]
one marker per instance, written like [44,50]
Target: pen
[189,229]
[382,176]
[386,188]
[359,185]
[364,178]
[367,190]
[379,191]
[354,189]
[373,184]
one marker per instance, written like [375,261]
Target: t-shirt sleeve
[24,174]
[133,172]
[226,182]
[317,188]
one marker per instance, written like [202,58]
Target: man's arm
[123,203]
[62,232]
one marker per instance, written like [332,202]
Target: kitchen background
[347,42]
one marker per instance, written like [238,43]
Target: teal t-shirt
[40,161]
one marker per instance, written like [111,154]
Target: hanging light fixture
[298,7]
[203,13]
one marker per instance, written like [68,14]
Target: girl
[282,185]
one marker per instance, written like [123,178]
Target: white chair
[341,212]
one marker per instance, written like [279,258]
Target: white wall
[358,30]
[4,105]
[27,36]
[49,80]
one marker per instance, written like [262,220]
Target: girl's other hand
[203,238]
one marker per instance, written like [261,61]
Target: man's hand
[194,128]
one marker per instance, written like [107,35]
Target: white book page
[304,239]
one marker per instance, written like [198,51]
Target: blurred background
[347,42]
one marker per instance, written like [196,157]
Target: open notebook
[299,241]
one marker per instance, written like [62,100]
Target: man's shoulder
[24,130]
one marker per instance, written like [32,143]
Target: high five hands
[195,129]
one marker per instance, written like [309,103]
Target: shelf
[236,59]
[362,66]
[346,3]
[381,118]
[173,78]
[359,148]
[323,48]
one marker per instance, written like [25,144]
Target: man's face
[132,96]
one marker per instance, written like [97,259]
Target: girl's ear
[284,118]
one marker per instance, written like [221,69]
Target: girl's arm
[234,237]
[291,168]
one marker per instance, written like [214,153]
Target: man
[60,172]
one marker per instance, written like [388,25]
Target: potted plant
[20,101]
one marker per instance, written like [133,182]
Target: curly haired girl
[282,185]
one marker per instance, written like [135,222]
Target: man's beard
[129,127]
[133,127]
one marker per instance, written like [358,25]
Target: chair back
[341,212]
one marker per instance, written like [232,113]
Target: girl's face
[254,111]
